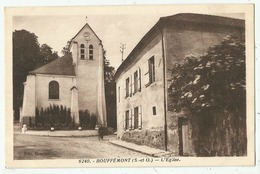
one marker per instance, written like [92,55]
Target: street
[28,147]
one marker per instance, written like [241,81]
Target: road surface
[38,147]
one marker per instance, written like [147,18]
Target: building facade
[75,81]
[143,113]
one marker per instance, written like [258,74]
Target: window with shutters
[131,86]
[135,82]
[127,118]
[151,70]
[54,90]
[82,51]
[91,48]
[140,117]
[136,122]
[127,87]
[139,80]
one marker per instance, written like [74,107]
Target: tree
[213,87]
[109,71]
[213,80]
[27,55]
[46,55]
[65,50]
[110,92]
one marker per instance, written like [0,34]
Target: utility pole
[122,48]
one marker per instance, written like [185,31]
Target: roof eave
[126,62]
[163,21]
[69,75]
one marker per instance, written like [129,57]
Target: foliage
[46,55]
[213,87]
[93,121]
[54,115]
[59,116]
[27,55]
[109,71]
[87,120]
[213,80]
[110,92]
[65,50]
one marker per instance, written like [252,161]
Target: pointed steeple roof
[86,25]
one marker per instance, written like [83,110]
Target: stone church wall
[42,90]
[87,71]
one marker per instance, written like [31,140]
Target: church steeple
[87,55]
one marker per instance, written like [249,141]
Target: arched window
[82,51]
[54,90]
[90,52]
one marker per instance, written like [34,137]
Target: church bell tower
[87,55]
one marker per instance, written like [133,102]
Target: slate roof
[201,19]
[60,66]
[204,19]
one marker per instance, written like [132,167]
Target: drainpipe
[164,90]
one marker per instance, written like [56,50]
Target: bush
[54,115]
[93,121]
[60,118]
[84,118]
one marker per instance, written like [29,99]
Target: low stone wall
[153,138]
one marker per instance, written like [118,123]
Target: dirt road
[39,147]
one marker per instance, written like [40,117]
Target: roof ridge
[197,14]
[205,18]
[182,17]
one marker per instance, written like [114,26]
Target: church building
[75,81]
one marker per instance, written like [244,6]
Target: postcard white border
[190,161]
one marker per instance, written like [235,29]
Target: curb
[145,153]
[131,149]
[59,136]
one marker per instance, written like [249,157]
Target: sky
[111,29]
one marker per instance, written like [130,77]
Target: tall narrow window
[151,70]
[53,90]
[127,87]
[90,52]
[140,117]
[127,119]
[135,82]
[139,80]
[82,51]
[136,118]
[154,110]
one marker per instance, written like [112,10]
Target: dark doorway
[183,131]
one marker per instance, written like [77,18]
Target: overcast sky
[111,29]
